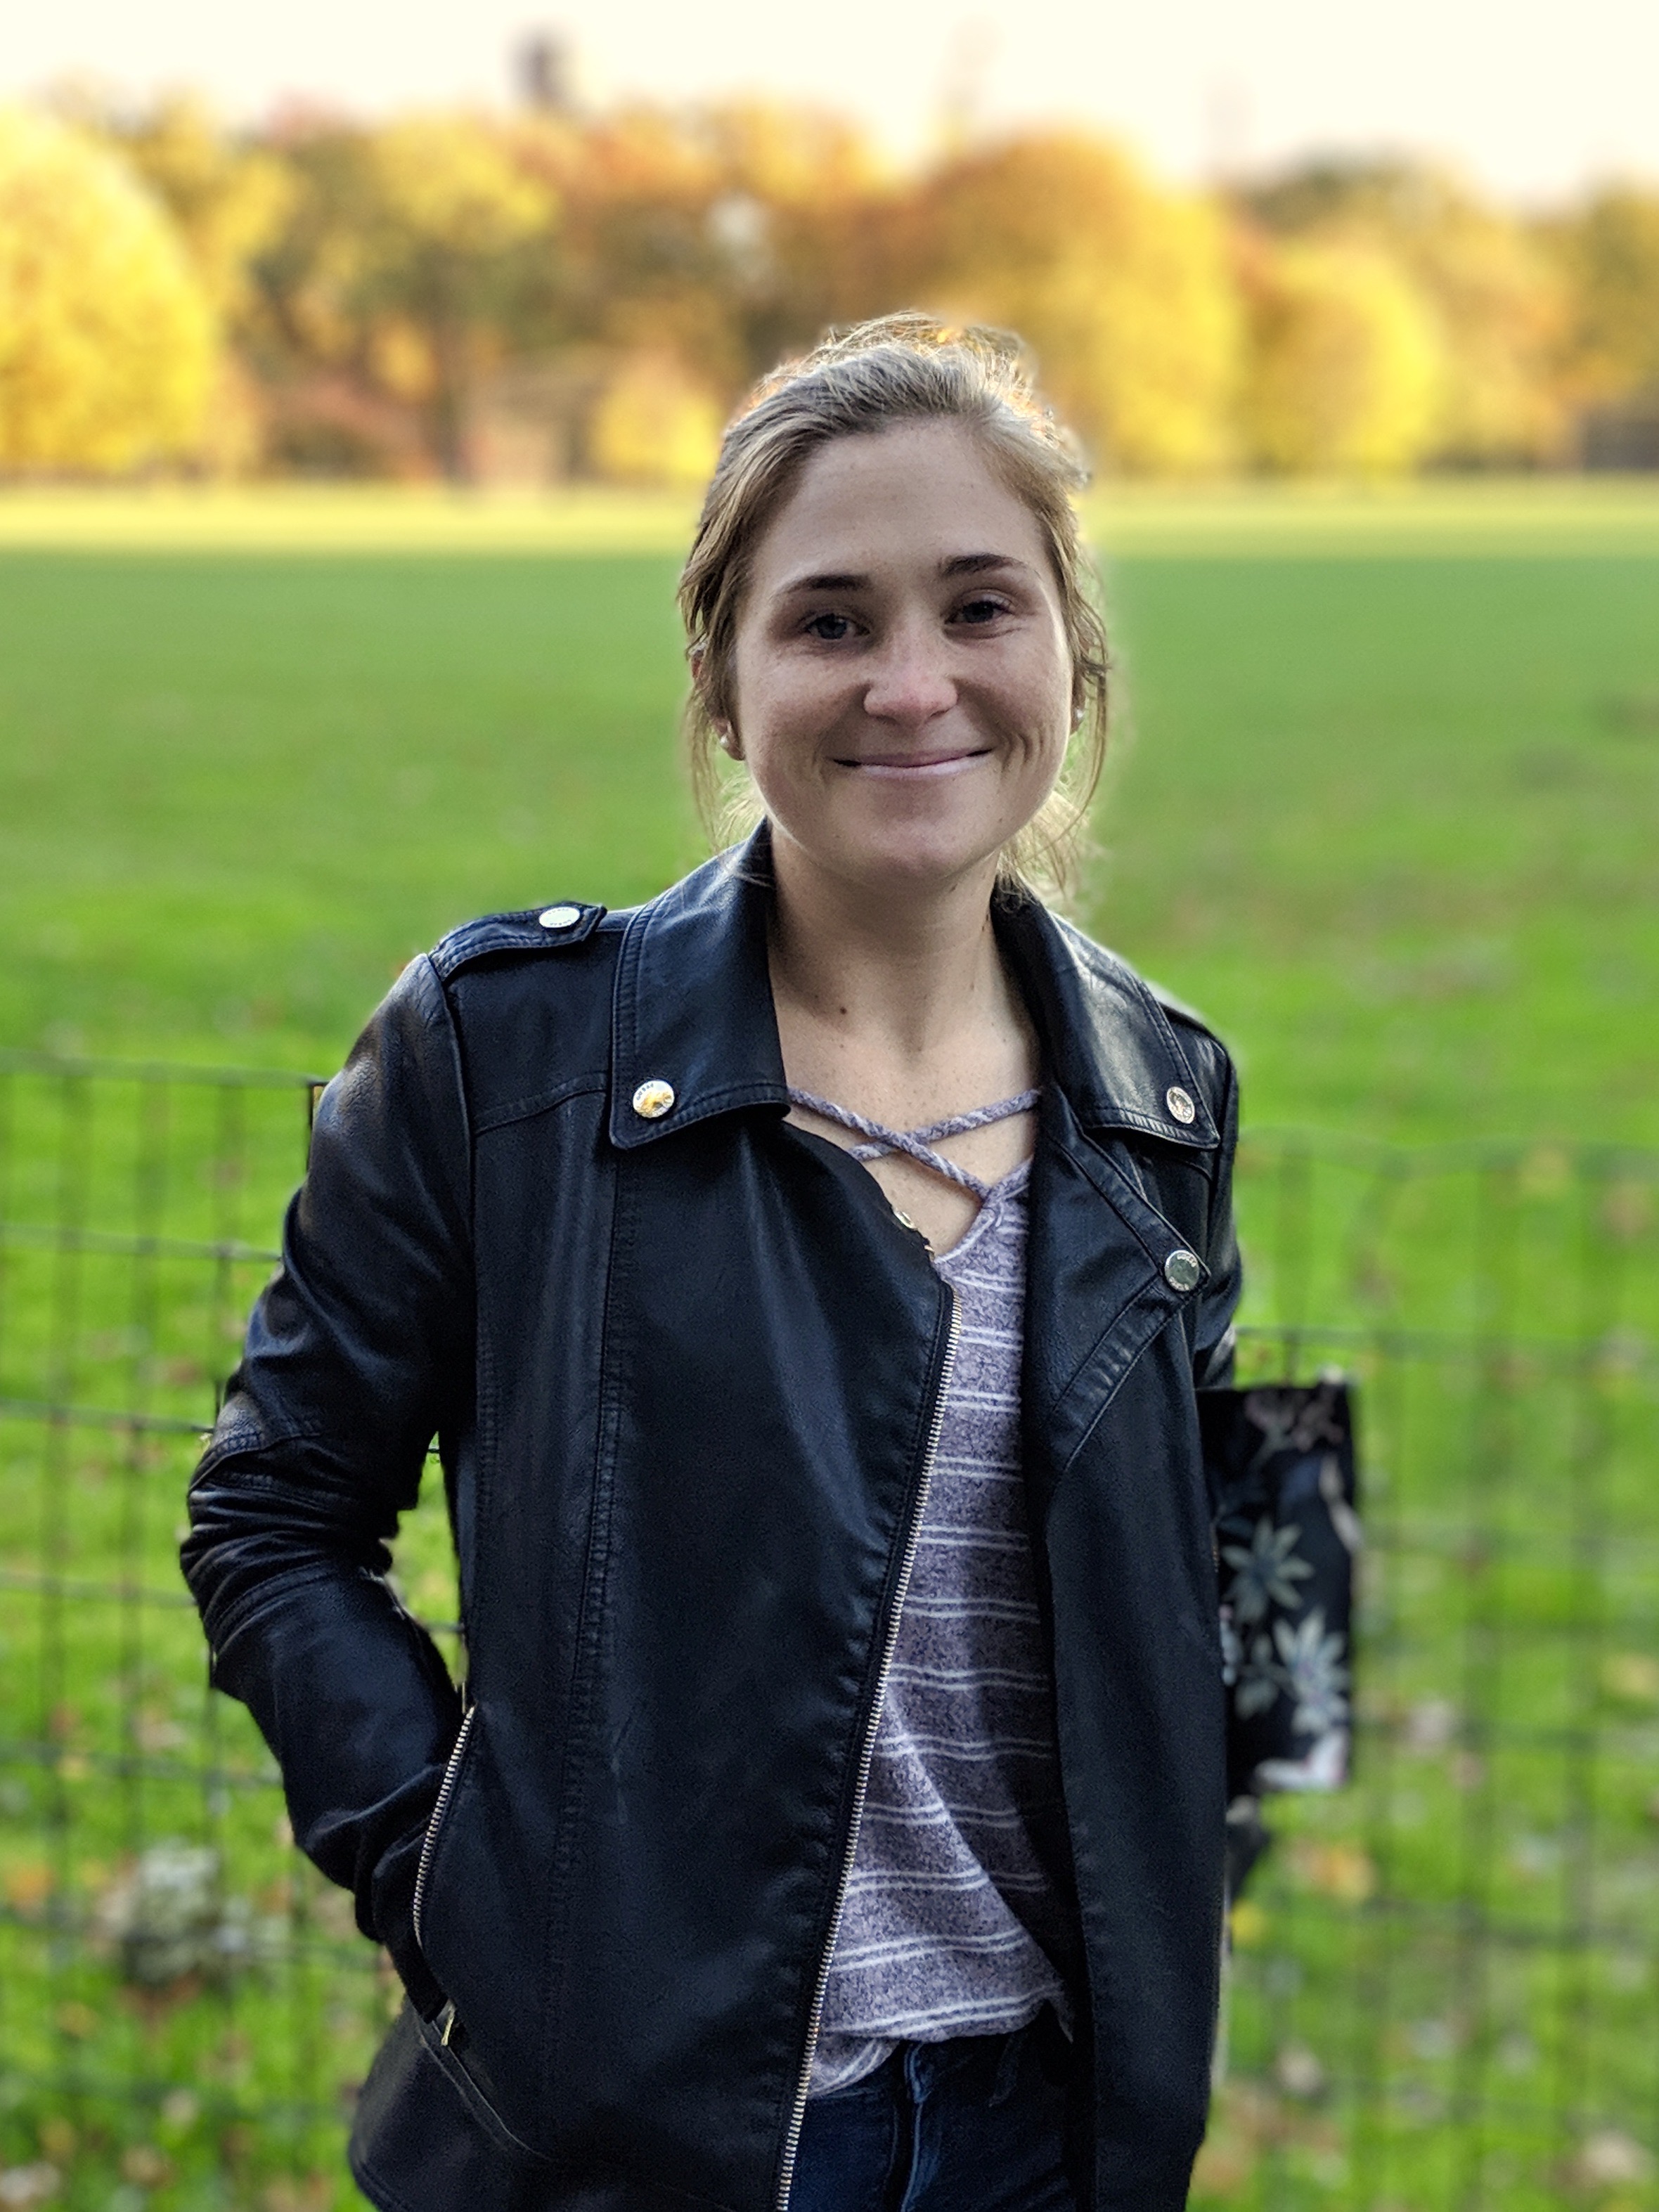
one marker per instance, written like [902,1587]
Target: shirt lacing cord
[918,1144]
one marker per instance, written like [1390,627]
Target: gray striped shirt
[949,1922]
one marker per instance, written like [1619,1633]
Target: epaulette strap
[534,929]
[1179,1007]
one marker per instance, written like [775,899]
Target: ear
[697,657]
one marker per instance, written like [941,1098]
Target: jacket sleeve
[358,1353]
[1213,1341]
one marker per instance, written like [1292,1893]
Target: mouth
[906,765]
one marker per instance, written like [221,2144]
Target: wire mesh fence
[1445,1980]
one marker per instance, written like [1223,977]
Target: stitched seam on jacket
[1133,1354]
[544,1101]
[1100,965]
[379,2192]
[590,1622]
[254,1436]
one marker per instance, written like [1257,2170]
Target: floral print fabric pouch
[1279,1462]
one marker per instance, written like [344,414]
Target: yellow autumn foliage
[450,183]
[108,346]
[228,201]
[1346,374]
[1497,303]
[1123,290]
[653,425]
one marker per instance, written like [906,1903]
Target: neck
[902,971]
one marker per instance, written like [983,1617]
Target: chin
[914,862]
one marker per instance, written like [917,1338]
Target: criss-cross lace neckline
[918,1145]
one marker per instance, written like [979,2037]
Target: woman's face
[902,683]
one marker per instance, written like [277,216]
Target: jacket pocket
[446,2045]
[439,1814]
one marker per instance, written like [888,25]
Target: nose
[910,682]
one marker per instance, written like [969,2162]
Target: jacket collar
[692,1013]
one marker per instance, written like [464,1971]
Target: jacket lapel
[1097,1289]
[692,1011]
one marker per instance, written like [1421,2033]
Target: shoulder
[1138,1027]
[526,932]
[1199,1040]
[528,995]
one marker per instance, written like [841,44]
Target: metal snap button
[560,917]
[1180,1104]
[1182,1270]
[653,1098]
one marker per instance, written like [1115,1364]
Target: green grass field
[1383,802]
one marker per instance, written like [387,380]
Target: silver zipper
[867,1757]
[430,1843]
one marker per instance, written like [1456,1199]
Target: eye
[832,629]
[979,610]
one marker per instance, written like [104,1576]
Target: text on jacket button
[1180,1104]
[1181,1271]
[560,917]
[653,1098]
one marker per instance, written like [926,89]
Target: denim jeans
[976,2125]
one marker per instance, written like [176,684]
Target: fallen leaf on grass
[27,1888]
[1632,1676]
[1609,2157]
[1225,2164]
[145,2167]
[1298,2072]
[314,2194]
[23,2186]
[1248,1923]
[1340,1870]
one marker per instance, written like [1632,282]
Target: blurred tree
[108,341]
[1609,251]
[1495,297]
[395,280]
[724,236]
[598,289]
[1346,367]
[229,198]
[653,425]
[1123,291]
[448,203]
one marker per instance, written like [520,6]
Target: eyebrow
[979,564]
[959,564]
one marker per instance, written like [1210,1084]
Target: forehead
[919,494]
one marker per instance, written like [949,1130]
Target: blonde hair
[899,368]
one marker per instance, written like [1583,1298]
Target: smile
[903,765]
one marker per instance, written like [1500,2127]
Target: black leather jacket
[683,1372]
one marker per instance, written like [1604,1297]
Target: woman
[806,1278]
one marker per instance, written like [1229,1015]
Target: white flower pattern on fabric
[1285,1660]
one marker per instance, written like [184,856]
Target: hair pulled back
[897,369]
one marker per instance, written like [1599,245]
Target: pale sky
[1531,97]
